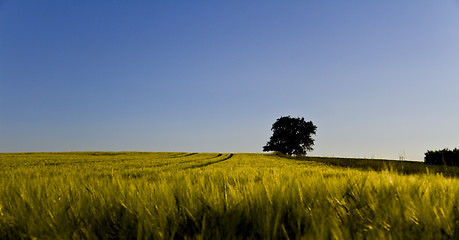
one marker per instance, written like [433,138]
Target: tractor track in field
[185,161]
[176,156]
[183,155]
[211,162]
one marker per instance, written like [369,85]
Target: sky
[379,79]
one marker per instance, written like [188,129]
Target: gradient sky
[379,78]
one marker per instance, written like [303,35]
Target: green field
[141,195]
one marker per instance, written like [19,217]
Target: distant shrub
[442,157]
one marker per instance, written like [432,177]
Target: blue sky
[378,78]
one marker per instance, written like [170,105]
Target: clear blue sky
[378,78]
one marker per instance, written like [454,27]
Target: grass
[401,167]
[141,195]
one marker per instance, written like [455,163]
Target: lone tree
[291,136]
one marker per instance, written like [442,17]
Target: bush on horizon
[445,157]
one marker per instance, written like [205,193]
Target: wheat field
[143,195]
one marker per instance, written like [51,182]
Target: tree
[291,136]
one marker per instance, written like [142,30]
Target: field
[141,195]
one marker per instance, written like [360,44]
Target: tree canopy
[291,136]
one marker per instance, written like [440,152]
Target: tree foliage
[291,136]
[445,157]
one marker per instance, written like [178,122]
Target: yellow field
[126,195]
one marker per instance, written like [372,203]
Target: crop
[128,195]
